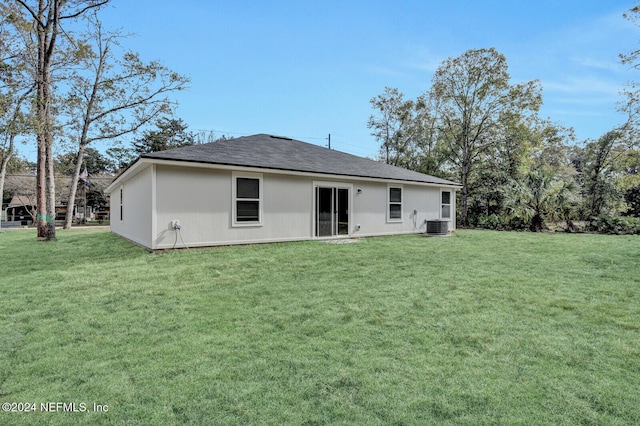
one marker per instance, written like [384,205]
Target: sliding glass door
[332,211]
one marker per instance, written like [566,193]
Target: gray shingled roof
[278,153]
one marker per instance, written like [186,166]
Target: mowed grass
[479,328]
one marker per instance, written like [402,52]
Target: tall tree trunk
[41,194]
[45,178]
[47,19]
[74,187]
[51,194]
[87,120]
[41,166]
[464,196]
[3,174]
[51,182]
[464,193]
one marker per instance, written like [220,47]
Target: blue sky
[305,69]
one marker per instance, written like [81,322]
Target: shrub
[491,221]
[496,222]
[632,197]
[619,225]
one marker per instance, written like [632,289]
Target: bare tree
[111,97]
[11,125]
[15,90]
[46,18]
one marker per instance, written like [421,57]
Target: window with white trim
[394,209]
[445,205]
[247,199]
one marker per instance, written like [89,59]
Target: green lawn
[479,328]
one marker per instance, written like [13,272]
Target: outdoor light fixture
[359,191]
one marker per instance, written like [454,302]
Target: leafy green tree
[93,160]
[19,164]
[504,163]
[406,131]
[473,102]
[120,156]
[551,149]
[525,145]
[539,197]
[598,171]
[632,198]
[171,133]
[393,126]
[628,181]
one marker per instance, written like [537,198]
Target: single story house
[264,188]
[19,211]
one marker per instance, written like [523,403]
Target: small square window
[395,195]
[247,211]
[446,197]
[248,188]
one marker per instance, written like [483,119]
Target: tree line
[68,82]
[517,170]
[168,133]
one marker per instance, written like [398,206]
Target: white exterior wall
[137,219]
[200,198]
[419,203]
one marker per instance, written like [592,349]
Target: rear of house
[267,189]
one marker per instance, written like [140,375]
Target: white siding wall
[136,223]
[370,209]
[201,200]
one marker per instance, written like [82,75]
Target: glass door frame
[338,228]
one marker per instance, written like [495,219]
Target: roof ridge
[283,153]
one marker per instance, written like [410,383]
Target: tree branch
[80,12]
[31,12]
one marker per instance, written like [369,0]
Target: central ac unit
[437,227]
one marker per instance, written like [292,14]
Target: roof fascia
[194,164]
[138,166]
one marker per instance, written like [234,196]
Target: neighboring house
[19,211]
[265,188]
[23,185]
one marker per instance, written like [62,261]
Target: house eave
[144,162]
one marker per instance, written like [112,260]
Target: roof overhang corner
[136,167]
